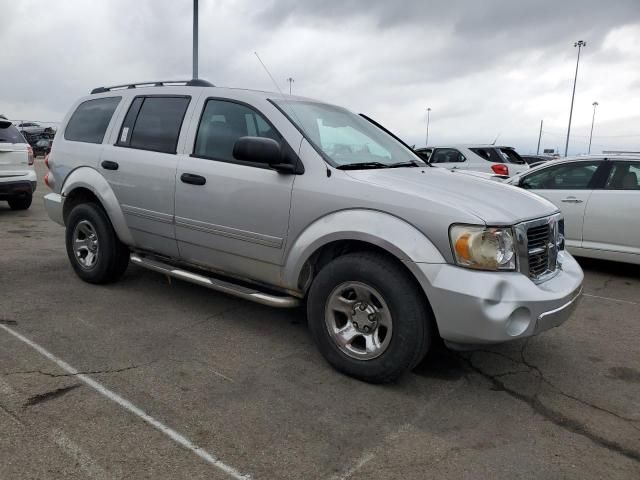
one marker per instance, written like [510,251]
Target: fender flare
[396,236]
[86,177]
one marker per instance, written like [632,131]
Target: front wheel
[368,317]
[95,252]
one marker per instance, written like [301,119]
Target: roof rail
[196,82]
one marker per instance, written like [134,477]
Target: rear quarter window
[9,133]
[90,120]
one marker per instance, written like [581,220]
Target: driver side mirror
[257,150]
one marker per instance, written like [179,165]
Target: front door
[232,215]
[568,186]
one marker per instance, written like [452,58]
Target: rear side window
[489,154]
[624,176]
[9,133]
[153,123]
[512,156]
[223,123]
[90,120]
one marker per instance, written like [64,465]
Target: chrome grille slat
[538,243]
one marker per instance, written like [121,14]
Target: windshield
[344,138]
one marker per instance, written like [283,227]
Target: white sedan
[600,199]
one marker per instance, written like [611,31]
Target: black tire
[112,256]
[21,203]
[411,318]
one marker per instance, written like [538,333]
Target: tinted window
[489,154]
[90,120]
[157,124]
[223,123]
[512,156]
[9,133]
[624,176]
[446,155]
[572,176]
[424,153]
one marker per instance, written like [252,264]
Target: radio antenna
[268,73]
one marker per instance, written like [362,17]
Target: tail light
[500,169]
[47,180]
[30,154]
[46,160]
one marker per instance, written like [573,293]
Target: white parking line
[127,405]
[611,299]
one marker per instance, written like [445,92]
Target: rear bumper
[475,307]
[12,188]
[53,205]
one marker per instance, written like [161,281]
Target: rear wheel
[95,252]
[368,317]
[21,203]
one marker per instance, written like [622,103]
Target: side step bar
[216,284]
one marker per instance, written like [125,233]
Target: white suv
[497,160]
[17,177]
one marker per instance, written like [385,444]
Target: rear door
[141,168]
[450,158]
[569,186]
[612,216]
[14,157]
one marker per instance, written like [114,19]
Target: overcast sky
[486,68]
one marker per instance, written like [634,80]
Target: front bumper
[476,307]
[53,205]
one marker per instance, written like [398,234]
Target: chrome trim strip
[542,316]
[147,214]
[245,235]
[216,284]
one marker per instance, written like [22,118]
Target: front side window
[572,176]
[223,123]
[344,138]
[447,155]
[153,123]
[90,120]
[624,176]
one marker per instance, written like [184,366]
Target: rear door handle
[571,200]
[109,165]
[192,179]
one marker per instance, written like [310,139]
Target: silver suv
[286,201]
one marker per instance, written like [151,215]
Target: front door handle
[192,179]
[109,165]
[571,200]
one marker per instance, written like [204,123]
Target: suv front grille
[538,239]
[539,242]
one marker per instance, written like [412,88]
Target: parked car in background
[42,147]
[534,160]
[17,177]
[497,160]
[31,128]
[286,201]
[600,199]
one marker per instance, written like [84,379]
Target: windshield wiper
[411,163]
[362,166]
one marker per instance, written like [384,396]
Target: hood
[493,202]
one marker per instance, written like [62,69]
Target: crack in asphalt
[50,395]
[84,372]
[534,402]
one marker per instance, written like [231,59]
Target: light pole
[593,119]
[579,44]
[428,119]
[539,138]
[290,80]
[195,39]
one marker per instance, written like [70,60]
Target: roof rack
[196,82]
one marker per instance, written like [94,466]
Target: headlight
[484,248]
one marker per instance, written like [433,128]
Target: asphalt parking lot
[169,380]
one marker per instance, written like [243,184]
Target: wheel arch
[355,230]
[87,185]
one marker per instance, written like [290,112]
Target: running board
[216,284]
